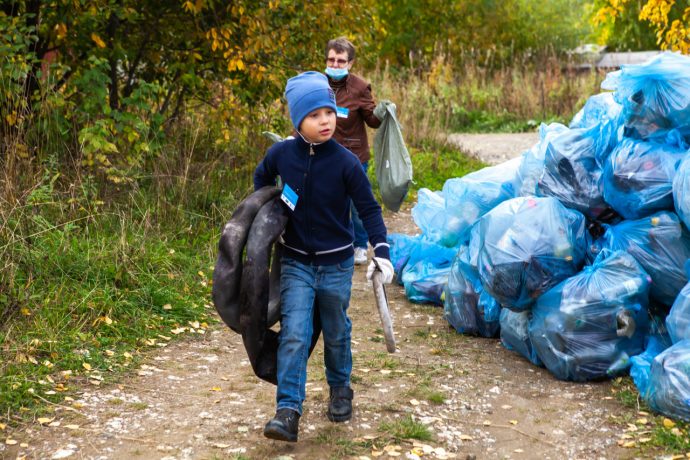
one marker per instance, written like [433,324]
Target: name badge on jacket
[342,112]
[289,197]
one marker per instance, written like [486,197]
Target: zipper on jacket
[306,189]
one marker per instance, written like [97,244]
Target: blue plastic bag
[668,390]
[426,273]
[532,160]
[525,246]
[572,169]
[681,191]
[588,326]
[638,176]
[655,95]
[641,368]
[598,108]
[469,197]
[466,306]
[429,214]
[401,246]
[660,244]
[678,319]
[515,334]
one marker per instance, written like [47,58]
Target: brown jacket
[354,94]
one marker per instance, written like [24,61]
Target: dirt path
[494,148]
[198,399]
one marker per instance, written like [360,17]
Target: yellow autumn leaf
[216,389]
[668,423]
[25,311]
[86,366]
[60,31]
[44,420]
[97,40]
[2,426]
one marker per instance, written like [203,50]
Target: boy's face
[319,125]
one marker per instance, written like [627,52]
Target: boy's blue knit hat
[307,92]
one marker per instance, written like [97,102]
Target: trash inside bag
[588,326]
[525,246]
[678,319]
[429,214]
[638,177]
[426,273]
[598,108]
[641,368]
[467,307]
[532,160]
[469,197]
[393,164]
[681,191]
[515,334]
[401,246]
[660,244]
[655,95]
[572,169]
[668,390]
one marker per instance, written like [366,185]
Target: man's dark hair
[341,44]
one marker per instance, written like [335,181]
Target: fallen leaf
[376,453]
[391,448]
[644,440]
[86,366]
[513,422]
[668,423]
[45,420]
[2,426]
[628,444]
[465,437]
[54,424]
[486,423]
[642,421]
[178,330]
[216,389]
[10,442]
[167,306]
[385,371]
[72,427]
[518,451]
[24,445]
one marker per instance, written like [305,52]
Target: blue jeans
[361,237]
[302,288]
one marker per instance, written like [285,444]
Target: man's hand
[385,266]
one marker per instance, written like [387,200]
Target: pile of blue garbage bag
[573,252]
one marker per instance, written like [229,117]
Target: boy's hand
[385,266]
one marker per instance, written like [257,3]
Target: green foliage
[621,29]
[476,29]
[407,428]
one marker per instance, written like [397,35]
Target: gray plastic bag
[393,164]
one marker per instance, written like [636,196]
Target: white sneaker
[360,256]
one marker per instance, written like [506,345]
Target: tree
[644,24]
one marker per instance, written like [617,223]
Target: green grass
[406,428]
[92,290]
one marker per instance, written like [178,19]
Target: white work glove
[386,268]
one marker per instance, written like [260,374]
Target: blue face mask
[336,74]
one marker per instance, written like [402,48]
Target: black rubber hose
[228,270]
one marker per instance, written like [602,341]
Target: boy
[320,178]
